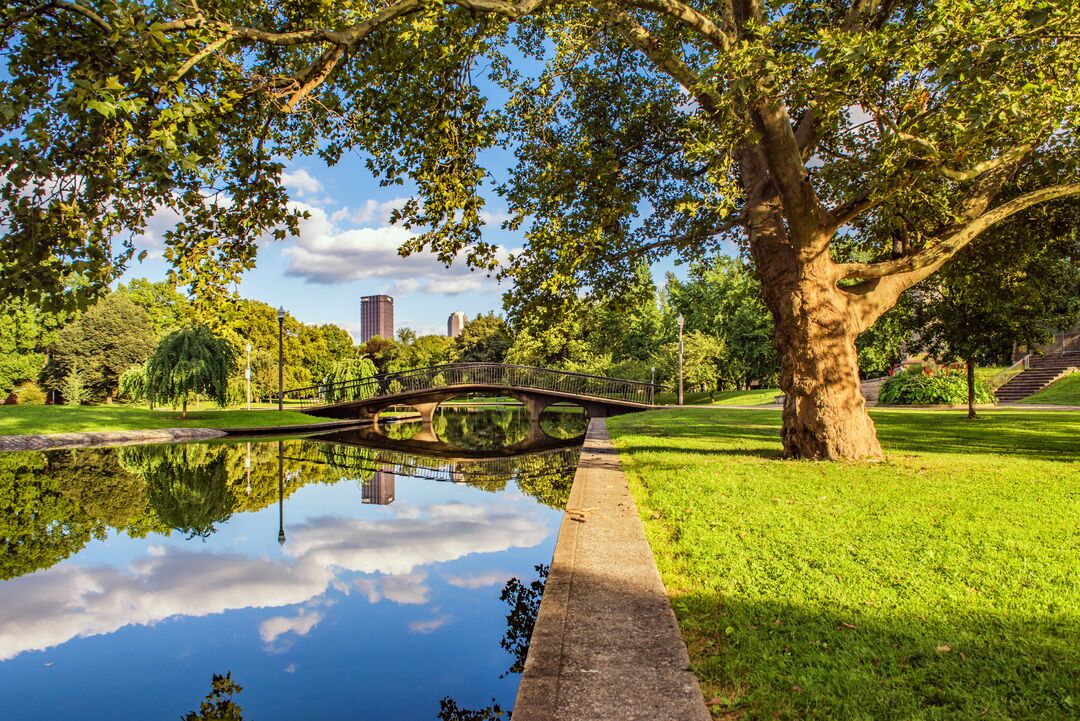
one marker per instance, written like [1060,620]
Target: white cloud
[479,580]
[273,628]
[327,252]
[50,607]
[302,183]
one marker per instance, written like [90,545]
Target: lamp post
[247,376]
[681,321]
[281,358]
[280,494]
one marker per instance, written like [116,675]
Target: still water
[363,576]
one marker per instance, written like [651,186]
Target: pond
[364,575]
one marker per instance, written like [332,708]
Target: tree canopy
[853,147]
[100,345]
[190,361]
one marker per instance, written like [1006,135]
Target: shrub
[30,394]
[923,386]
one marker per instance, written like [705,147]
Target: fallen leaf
[943,648]
[848,625]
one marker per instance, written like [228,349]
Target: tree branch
[670,64]
[883,282]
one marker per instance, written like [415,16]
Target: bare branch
[315,75]
[198,57]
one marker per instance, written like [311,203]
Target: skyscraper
[455,323]
[379,490]
[376,317]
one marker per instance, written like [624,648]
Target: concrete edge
[57,441]
[606,644]
[85,439]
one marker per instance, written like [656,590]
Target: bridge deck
[443,382]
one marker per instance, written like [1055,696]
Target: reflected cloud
[479,580]
[50,607]
[408,589]
[431,625]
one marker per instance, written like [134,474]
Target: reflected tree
[39,525]
[219,704]
[450,711]
[524,606]
[188,488]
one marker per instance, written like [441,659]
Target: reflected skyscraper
[380,489]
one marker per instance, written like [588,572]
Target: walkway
[606,644]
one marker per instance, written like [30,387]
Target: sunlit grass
[943,583]
[1065,392]
[756,397]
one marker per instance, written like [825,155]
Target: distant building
[380,489]
[455,323]
[376,317]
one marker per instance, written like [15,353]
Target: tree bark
[971,386]
[824,414]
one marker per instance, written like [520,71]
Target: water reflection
[524,600]
[135,551]
[491,427]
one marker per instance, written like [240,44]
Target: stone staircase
[1041,372]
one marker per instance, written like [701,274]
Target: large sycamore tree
[852,146]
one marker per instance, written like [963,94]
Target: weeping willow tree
[187,362]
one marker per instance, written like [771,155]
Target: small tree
[74,388]
[133,383]
[190,361]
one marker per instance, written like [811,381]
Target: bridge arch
[426,388]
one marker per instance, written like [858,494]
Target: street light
[280,494]
[281,358]
[681,321]
[247,375]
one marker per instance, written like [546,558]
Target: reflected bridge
[426,388]
[367,454]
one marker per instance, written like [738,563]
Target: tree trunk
[183,408]
[825,414]
[971,386]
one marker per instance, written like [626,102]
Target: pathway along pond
[357,576]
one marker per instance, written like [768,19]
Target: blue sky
[347,249]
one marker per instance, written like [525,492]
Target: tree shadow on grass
[1045,436]
[773,660]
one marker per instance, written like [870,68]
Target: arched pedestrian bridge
[426,388]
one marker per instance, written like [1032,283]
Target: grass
[1065,392]
[17,420]
[756,397]
[943,583]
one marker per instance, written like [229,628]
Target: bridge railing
[368,460]
[493,375]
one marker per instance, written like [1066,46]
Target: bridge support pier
[427,415]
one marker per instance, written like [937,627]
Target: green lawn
[1066,392]
[759,397]
[16,420]
[943,583]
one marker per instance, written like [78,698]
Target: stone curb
[606,644]
[45,441]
